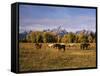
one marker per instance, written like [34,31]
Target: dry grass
[32,59]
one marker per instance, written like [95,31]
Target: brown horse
[38,46]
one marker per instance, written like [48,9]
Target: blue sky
[48,17]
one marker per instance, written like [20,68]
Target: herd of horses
[62,46]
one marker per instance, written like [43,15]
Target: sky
[72,19]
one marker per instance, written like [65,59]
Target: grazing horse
[71,45]
[50,45]
[84,45]
[38,46]
[59,46]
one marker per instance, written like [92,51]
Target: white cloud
[74,23]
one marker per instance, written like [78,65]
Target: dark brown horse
[84,46]
[59,46]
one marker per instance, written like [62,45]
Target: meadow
[46,58]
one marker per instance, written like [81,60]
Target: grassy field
[46,58]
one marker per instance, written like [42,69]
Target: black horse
[59,46]
[84,46]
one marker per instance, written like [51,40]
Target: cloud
[71,23]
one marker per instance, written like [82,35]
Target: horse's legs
[64,48]
[83,47]
[87,46]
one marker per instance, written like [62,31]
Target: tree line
[49,37]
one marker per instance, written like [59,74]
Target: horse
[84,45]
[59,46]
[38,46]
[71,45]
[50,45]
